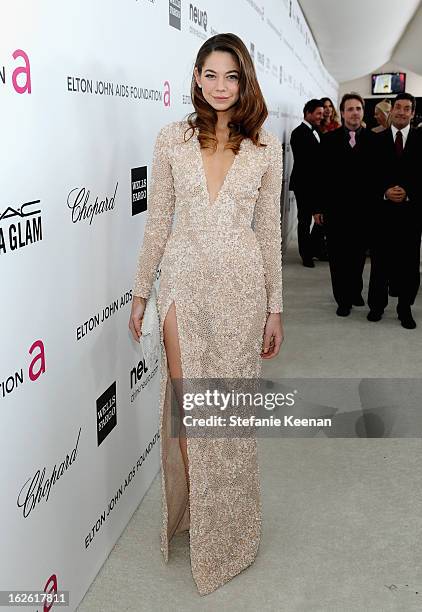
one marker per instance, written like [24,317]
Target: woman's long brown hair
[334,114]
[249,112]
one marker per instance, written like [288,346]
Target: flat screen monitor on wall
[388,83]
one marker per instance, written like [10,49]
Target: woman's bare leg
[171,342]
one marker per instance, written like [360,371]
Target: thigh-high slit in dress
[221,267]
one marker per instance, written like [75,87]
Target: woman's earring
[200,86]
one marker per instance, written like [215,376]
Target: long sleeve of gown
[159,220]
[267,225]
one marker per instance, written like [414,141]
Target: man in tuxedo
[305,142]
[344,204]
[395,255]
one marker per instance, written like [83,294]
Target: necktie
[352,140]
[398,143]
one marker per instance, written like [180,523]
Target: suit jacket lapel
[390,142]
[409,141]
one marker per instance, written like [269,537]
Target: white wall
[363,85]
[84,89]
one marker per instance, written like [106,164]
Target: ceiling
[355,38]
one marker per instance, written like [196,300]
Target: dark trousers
[347,246]
[395,256]
[311,243]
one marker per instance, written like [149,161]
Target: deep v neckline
[204,174]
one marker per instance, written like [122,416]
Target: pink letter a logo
[40,357]
[52,583]
[26,70]
[166,93]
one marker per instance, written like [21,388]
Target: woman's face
[219,80]
[328,109]
[380,117]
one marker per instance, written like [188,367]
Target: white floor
[342,517]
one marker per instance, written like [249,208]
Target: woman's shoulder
[268,138]
[174,131]
[272,141]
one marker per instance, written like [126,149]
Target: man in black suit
[305,143]
[395,254]
[344,204]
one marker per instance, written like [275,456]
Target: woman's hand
[273,336]
[135,321]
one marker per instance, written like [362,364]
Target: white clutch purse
[150,328]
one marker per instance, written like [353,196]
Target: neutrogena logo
[141,375]
[21,75]
[198,16]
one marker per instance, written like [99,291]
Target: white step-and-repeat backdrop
[84,88]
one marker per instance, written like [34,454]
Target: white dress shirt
[405,132]
[314,132]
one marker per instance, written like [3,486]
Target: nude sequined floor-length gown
[221,266]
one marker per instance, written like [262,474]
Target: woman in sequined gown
[218,177]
